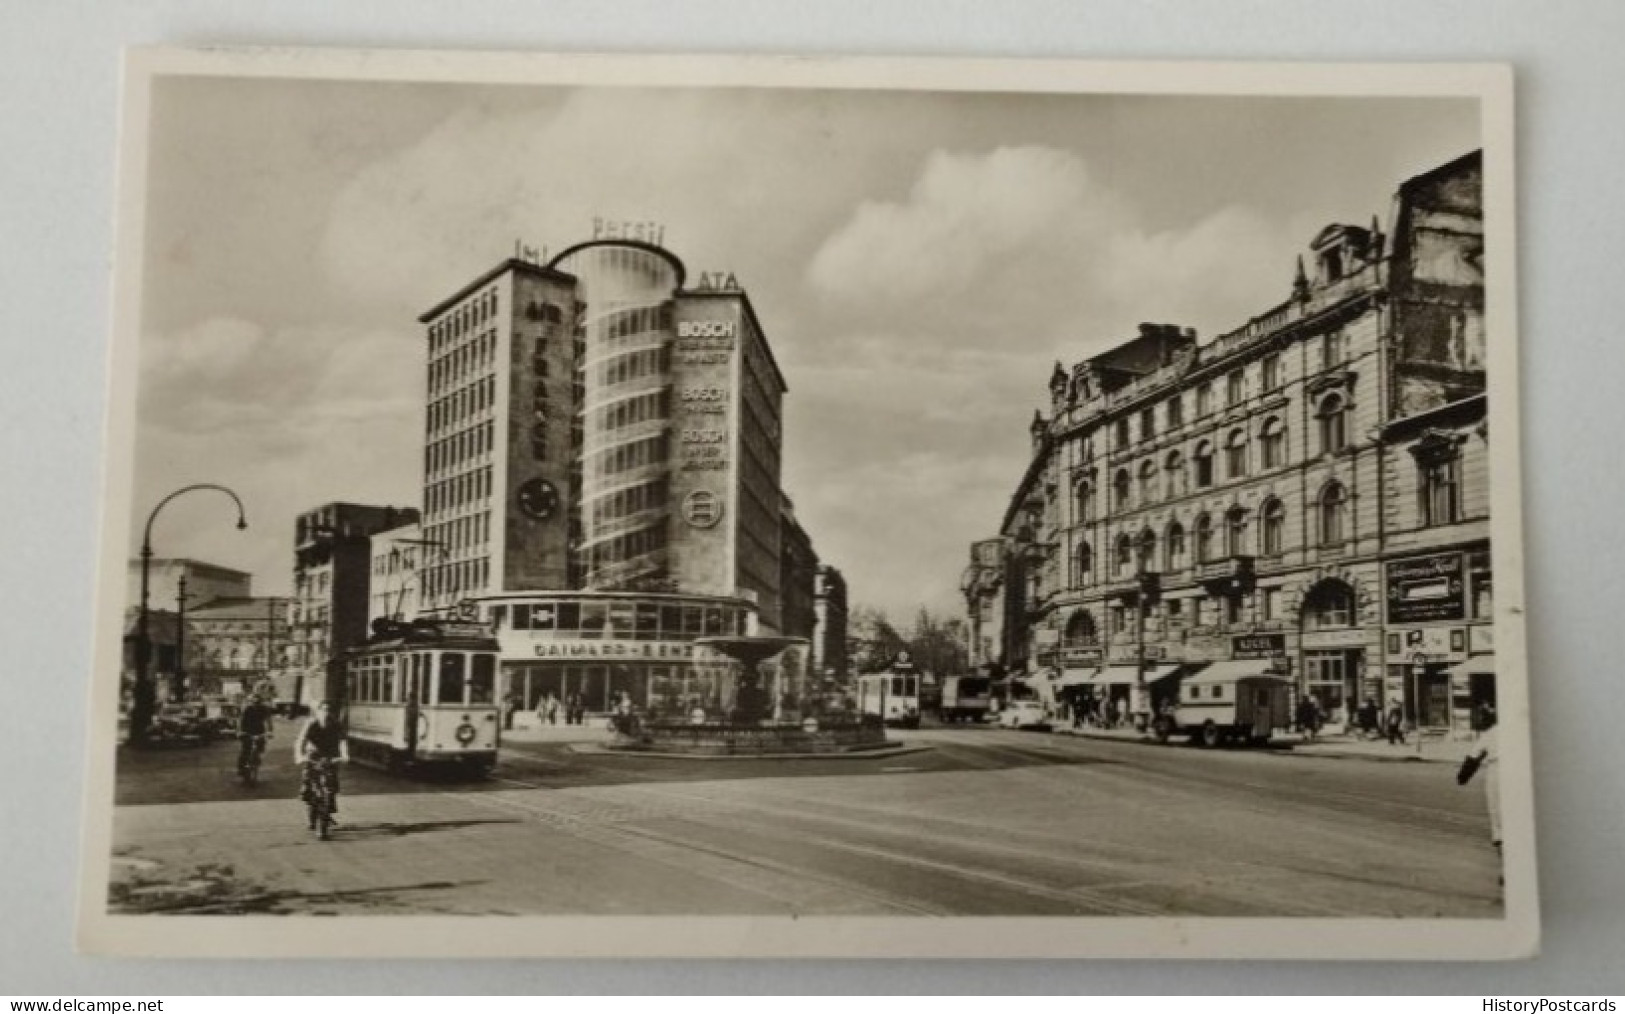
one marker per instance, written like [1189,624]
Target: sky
[918,260]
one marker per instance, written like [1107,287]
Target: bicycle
[249,759]
[320,794]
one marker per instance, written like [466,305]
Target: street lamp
[141,708]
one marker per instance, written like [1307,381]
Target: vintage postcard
[702,506]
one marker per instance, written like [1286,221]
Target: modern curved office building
[602,473]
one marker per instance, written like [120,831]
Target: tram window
[592,619]
[420,665]
[521,617]
[451,678]
[482,680]
[569,616]
[387,691]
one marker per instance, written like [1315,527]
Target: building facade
[237,645]
[332,591]
[602,466]
[1252,503]
[830,612]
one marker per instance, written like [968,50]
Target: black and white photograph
[749,507]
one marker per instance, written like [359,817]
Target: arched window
[1085,564]
[1204,539]
[1176,547]
[1332,413]
[1120,490]
[1174,469]
[1272,442]
[1148,481]
[1204,465]
[1080,630]
[1329,604]
[1273,524]
[1147,547]
[1235,532]
[1333,513]
[1084,494]
[1125,554]
[1235,453]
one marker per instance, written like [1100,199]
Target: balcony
[1231,575]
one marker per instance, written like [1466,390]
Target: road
[979,821]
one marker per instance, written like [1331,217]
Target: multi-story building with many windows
[602,472]
[1306,494]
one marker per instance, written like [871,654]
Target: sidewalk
[593,729]
[1434,749]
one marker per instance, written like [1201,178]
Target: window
[1269,603]
[1120,490]
[1147,556]
[1440,489]
[1125,554]
[1148,423]
[1272,443]
[1148,482]
[451,678]
[1234,387]
[1119,617]
[1235,532]
[1271,370]
[1080,629]
[1175,469]
[1085,563]
[1333,424]
[1333,508]
[1204,539]
[1204,465]
[1332,350]
[482,679]
[1236,454]
[1234,609]
[1204,398]
[1086,501]
[1176,412]
[1329,604]
[1483,597]
[1122,433]
[1273,528]
[1176,547]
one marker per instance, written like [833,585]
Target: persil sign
[705,329]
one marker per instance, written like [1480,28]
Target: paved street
[979,822]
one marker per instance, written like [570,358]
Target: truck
[1220,707]
[965,699]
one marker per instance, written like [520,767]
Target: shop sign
[1352,638]
[1081,658]
[1258,646]
[613,650]
[1427,588]
[1436,644]
[1125,656]
[702,509]
[653,233]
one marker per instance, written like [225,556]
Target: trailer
[1224,705]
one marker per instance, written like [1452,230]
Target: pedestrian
[574,714]
[510,704]
[1368,719]
[552,709]
[1396,723]
[1484,761]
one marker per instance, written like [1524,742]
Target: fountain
[763,721]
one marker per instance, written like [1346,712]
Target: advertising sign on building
[1258,646]
[1427,588]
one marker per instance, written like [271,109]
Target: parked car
[222,715]
[181,723]
[1024,715]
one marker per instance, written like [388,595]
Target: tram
[424,693]
[892,695]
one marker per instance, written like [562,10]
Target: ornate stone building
[1244,503]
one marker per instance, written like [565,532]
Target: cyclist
[319,744]
[253,729]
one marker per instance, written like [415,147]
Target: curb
[1293,748]
[892,750]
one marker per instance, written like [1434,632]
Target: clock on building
[538,499]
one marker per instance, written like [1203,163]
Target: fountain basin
[713,739]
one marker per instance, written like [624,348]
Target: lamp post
[142,706]
[180,641]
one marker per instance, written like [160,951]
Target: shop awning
[1478,665]
[1128,675]
[1076,678]
[1229,670]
